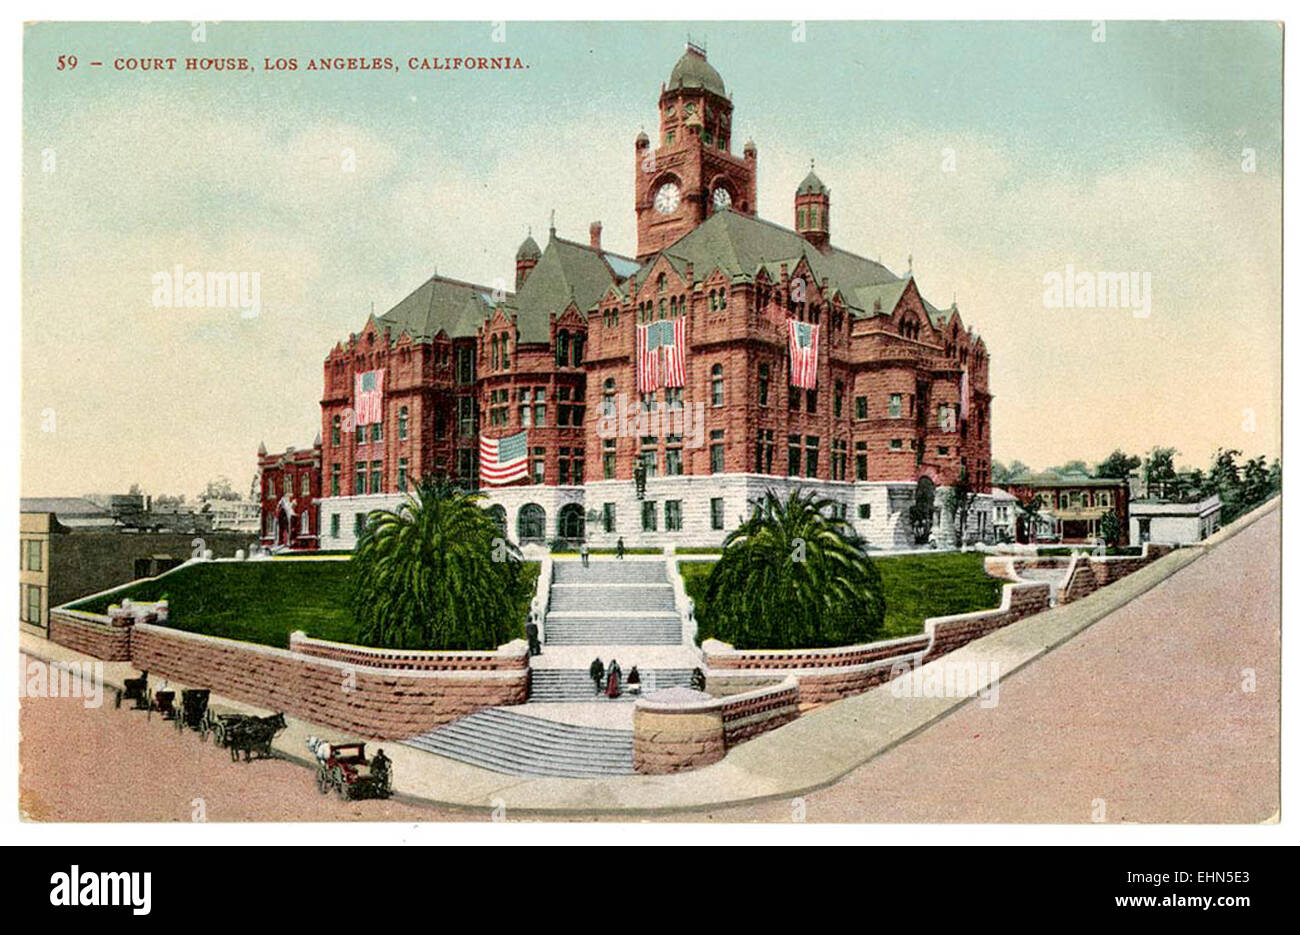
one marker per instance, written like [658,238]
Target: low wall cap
[677,695]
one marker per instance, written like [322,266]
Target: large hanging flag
[803,354]
[647,357]
[502,460]
[673,342]
[368,401]
[661,354]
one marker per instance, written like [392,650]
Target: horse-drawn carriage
[134,690]
[344,768]
[246,732]
[193,712]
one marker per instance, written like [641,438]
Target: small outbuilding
[1166,522]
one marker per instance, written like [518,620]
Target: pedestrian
[612,688]
[620,546]
[534,644]
[597,673]
[586,555]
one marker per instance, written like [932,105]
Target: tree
[1070,467]
[219,489]
[1110,528]
[1030,509]
[921,513]
[1003,473]
[435,573]
[1159,470]
[1119,465]
[793,577]
[958,500]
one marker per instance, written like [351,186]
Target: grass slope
[263,602]
[916,587]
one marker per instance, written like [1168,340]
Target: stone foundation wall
[91,634]
[379,703]
[512,656]
[953,632]
[672,736]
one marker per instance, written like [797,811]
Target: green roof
[694,71]
[440,304]
[811,185]
[1052,479]
[567,272]
[741,245]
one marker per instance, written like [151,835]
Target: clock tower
[692,173]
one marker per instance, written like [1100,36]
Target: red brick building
[1072,505]
[289,488]
[901,385]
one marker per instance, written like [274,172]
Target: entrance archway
[572,522]
[532,523]
[498,514]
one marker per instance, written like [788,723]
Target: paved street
[1142,714]
[1144,710]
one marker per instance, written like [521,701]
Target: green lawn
[916,587]
[263,602]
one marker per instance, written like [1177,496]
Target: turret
[812,211]
[525,259]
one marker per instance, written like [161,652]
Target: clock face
[721,198]
[667,198]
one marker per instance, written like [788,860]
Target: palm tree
[435,573]
[791,577]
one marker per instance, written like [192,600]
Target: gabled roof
[567,272]
[740,245]
[440,304]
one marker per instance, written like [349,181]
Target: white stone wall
[885,527]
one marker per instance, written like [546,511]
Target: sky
[996,155]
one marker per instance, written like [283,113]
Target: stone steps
[611,572]
[576,684]
[576,598]
[519,745]
[572,629]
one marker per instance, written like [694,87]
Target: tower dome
[694,71]
[528,250]
[811,185]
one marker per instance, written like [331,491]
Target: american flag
[666,339]
[647,357]
[673,341]
[803,354]
[502,460]
[369,398]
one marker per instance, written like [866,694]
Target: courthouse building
[651,394]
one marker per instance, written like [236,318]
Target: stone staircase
[576,684]
[519,745]
[623,603]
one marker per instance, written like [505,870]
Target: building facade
[1166,522]
[894,388]
[290,486]
[1073,505]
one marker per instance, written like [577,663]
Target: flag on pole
[673,341]
[803,354]
[965,393]
[502,460]
[647,357]
[368,401]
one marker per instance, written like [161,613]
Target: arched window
[562,349]
[505,352]
[336,431]
[532,523]
[722,298]
[403,419]
[717,384]
[578,343]
[572,522]
[496,353]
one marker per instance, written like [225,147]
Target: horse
[254,733]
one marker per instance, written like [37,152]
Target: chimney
[595,235]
